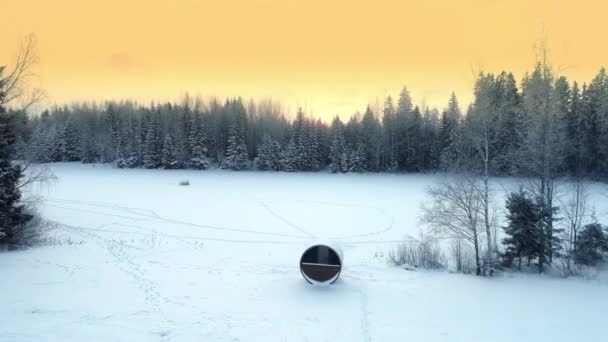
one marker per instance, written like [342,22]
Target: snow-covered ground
[135,257]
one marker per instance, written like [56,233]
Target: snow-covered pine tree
[313,146]
[389,125]
[324,141]
[198,158]
[510,128]
[336,154]
[69,141]
[54,144]
[111,121]
[269,155]
[151,149]
[372,139]
[595,124]
[88,146]
[356,159]
[169,158]
[128,151]
[12,213]
[403,119]
[523,231]
[236,157]
[573,132]
[591,245]
[289,157]
[197,141]
[300,150]
[337,150]
[429,142]
[450,120]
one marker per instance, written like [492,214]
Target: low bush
[423,253]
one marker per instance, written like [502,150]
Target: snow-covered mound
[136,257]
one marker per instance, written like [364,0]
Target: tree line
[503,132]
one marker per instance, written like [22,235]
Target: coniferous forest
[507,127]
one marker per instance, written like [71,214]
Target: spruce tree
[372,139]
[390,139]
[169,158]
[269,154]
[197,142]
[299,151]
[128,154]
[289,157]
[88,150]
[574,135]
[12,213]
[54,147]
[591,245]
[412,148]
[355,161]
[338,155]
[524,229]
[151,150]
[69,141]
[429,142]
[236,157]
[450,120]
[402,121]
[510,127]
[337,150]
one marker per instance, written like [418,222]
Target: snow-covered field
[135,257]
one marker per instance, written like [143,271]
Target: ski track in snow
[127,264]
[154,216]
[286,221]
[365,333]
[373,232]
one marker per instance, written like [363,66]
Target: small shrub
[423,253]
[184,183]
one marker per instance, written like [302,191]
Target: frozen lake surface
[136,257]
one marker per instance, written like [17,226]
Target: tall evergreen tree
[236,157]
[151,149]
[372,140]
[169,159]
[12,213]
[337,153]
[269,155]
[450,119]
[510,128]
[402,120]
[574,135]
[389,123]
[524,232]
[197,143]
[69,141]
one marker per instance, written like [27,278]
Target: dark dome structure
[321,264]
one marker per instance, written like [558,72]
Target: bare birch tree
[457,210]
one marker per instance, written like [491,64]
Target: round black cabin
[321,263]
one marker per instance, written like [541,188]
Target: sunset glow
[327,56]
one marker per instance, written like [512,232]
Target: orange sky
[326,55]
